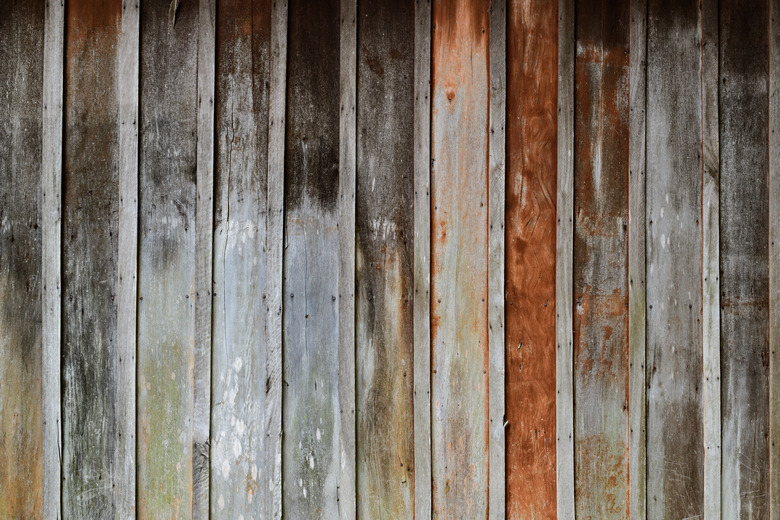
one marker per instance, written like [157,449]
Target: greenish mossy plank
[774,255]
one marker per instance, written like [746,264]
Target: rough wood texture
[167,269]
[744,256]
[601,186]
[311,448]
[532,98]
[774,258]
[90,253]
[21,392]
[239,352]
[384,260]
[674,255]
[422,260]
[459,335]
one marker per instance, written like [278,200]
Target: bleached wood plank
[774,259]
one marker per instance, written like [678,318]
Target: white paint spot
[236,447]
[225,469]
[237,364]
[304,492]
[318,433]
[221,502]
[311,462]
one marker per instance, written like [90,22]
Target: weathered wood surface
[239,340]
[774,258]
[21,391]
[601,259]
[531,141]
[310,458]
[459,180]
[744,257]
[167,290]
[384,260]
[674,256]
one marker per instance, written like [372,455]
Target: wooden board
[90,253]
[744,257]
[384,260]
[310,455]
[239,356]
[674,255]
[601,259]
[774,258]
[459,336]
[21,391]
[166,315]
[532,97]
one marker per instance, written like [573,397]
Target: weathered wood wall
[390,259]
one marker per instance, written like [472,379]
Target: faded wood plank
[496,247]
[384,261]
[21,215]
[744,256]
[422,260]
[90,277]
[167,268]
[240,355]
[51,208]
[311,405]
[774,259]
[674,255]
[459,258]
[601,187]
[532,97]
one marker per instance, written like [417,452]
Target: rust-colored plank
[384,263]
[532,94]
[459,257]
[601,259]
[21,392]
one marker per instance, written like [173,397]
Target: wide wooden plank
[600,259]
[90,277]
[384,260]
[744,257]
[774,258]
[21,212]
[167,290]
[674,256]
[310,454]
[459,258]
[531,133]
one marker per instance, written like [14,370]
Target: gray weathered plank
[167,266]
[774,258]
[21,212]
[384,262]
[674,255]
[311,458]
[744,255]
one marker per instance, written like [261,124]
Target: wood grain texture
[744,257]
[774,259]
[167,268]
[674,255]
[459,258]
[422,260]
[21,213]
[384,260]
[239,352]
[311,401]
[90,260]
[601,186]
[531,141]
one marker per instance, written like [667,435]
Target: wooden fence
[390,259]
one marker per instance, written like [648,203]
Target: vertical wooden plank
[637,301]
[384,260]
[601,187]
[51,248]
[711,260]
[240,353]
[167,269]
[90,253]
[422,260]
[744,255]
[674,255]
[21,214]
[459,258]
[496,238]
[774,258]
[532,97]
[312,449]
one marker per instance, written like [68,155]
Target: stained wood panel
[21,391]
[459,180]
